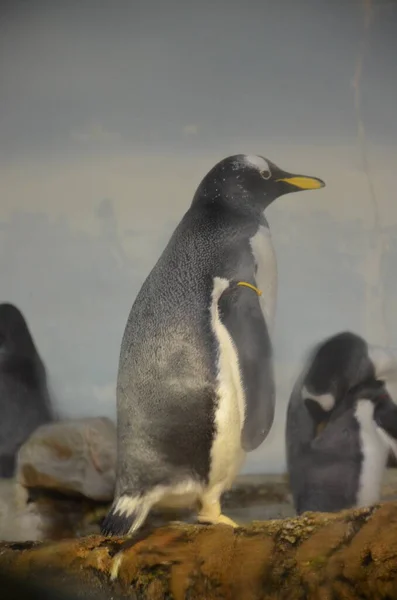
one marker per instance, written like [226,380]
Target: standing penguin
[24,397]
[195,385]
[341,425]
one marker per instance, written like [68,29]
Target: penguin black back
[24,398]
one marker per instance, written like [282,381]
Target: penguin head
[252,181]
[335,367]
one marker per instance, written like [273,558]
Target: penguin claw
[220,520]
[227,521]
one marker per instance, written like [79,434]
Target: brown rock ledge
[352,554]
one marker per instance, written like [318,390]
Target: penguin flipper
[241,314]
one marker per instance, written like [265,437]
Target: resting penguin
[195,387]
[341,425]
[24,397]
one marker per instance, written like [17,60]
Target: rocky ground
[65,480]
[344,556]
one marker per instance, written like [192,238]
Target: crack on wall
[375,301]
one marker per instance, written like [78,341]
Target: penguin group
[196,387]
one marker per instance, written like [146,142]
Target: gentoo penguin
[341,425]
[195,388]
[24,397]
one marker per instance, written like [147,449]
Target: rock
[349,555]
[42,516]
[71,457]
[19,521]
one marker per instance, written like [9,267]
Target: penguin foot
[210,513]
[206,519]
[227,521]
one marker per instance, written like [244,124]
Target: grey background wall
[111,113]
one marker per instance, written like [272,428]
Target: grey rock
[75,456]
[19,521]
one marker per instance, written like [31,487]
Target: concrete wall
[111,113]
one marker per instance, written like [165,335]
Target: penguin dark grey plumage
[24,397]
[195,385]
[341,425]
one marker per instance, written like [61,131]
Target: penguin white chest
[374,455]
[227,454]
[266,273]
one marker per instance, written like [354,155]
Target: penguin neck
[233,197]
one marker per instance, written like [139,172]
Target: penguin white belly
[227,454]
[375,452]
[266,274]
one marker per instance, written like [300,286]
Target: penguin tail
[125,516]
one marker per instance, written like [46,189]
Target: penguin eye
[265,174]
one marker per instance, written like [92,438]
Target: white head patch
[326,401]
[258,162]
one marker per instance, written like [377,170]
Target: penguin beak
[302,182]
